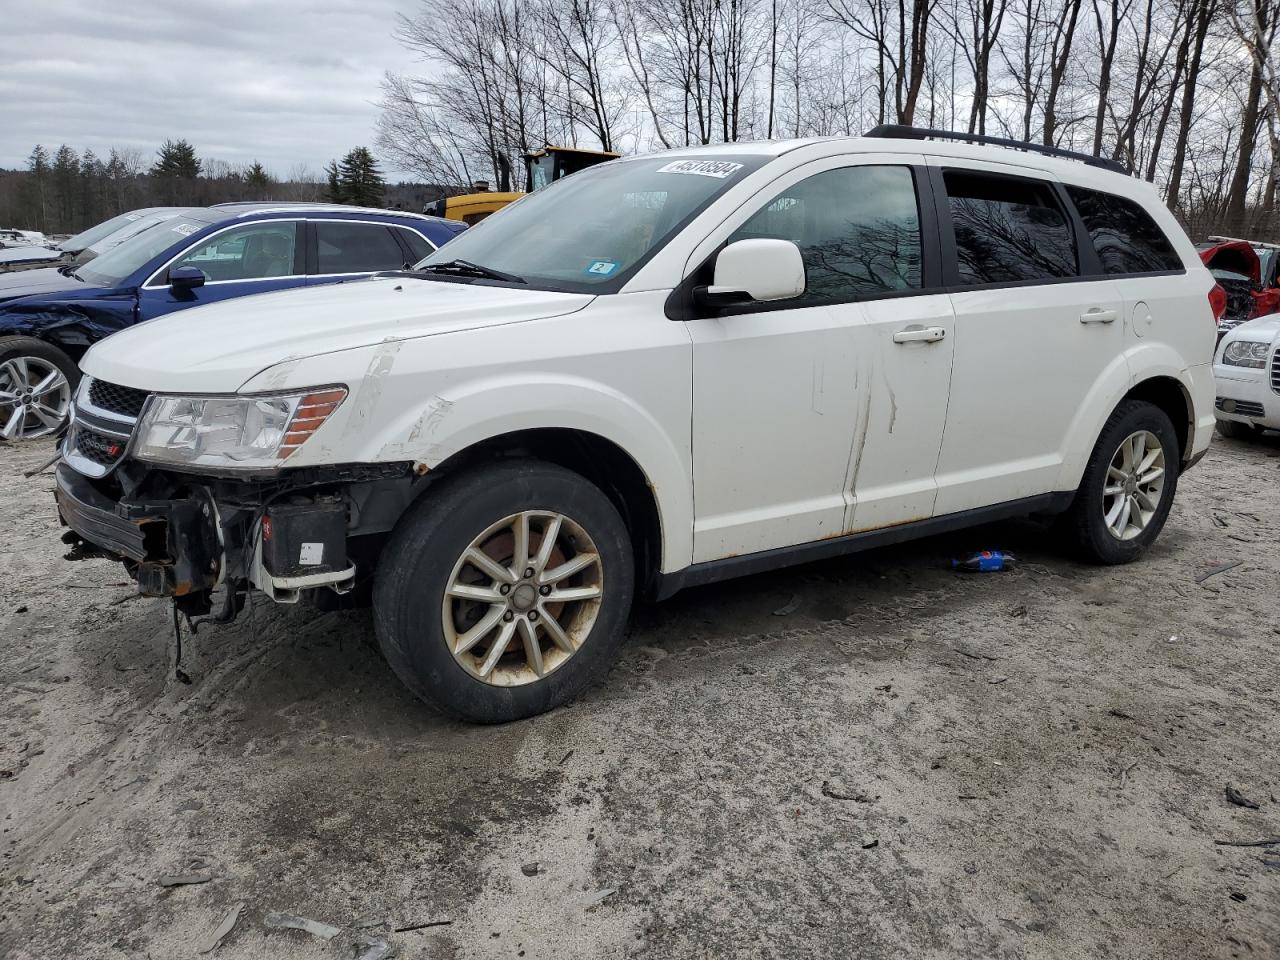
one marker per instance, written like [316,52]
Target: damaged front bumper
[197,537]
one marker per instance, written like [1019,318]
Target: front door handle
[1097,315]
[917,334]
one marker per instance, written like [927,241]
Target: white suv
[659,372]
[1247,372]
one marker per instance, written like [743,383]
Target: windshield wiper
[465,268]
[69,270]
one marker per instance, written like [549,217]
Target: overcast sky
[281,81]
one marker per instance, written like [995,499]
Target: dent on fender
[79,323]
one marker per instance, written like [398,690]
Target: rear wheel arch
[1172,397]
[596,459]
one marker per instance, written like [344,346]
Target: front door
[237,261]
[782,390]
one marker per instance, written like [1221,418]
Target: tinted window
[356,248]
[255,251]
[1008,229]
[858,230]
[1125,236]
[417,245]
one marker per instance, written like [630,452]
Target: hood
[29,254]
[31,283]
[1237,256]
[218,347]
[1261,328]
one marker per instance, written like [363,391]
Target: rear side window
[356,248]
[1127,239]
[1008,229]
[416,244]
[858,230]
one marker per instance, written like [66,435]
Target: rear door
[236,261]
[353,249]
[1036,327]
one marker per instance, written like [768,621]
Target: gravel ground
[872,757]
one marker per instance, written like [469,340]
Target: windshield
[589,232]
[107,227]
[111,269]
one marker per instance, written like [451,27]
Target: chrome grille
[103,418]
[1275,371]
[125,401]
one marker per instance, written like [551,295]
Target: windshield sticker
[186,229]
[720,169]
[601,268]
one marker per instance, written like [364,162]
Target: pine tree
[362,182]
[92,189]
[38,164]
[66,182]
[257,180]
[333,193]
[177,159]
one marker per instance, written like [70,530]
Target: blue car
[49,317]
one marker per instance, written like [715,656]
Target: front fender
[470,413]
[76,322]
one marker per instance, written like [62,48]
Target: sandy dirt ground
[874,757]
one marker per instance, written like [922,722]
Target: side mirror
[184,279]
[753,271]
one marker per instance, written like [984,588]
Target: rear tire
[1235,430]
[37,382]
[1125,496]
[466,600]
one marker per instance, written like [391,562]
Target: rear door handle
[1097,315]
[915,334]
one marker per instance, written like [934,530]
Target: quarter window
[418,247]
[356,248]
[256,251]
[1008,229]
[1127,239]
[858,230]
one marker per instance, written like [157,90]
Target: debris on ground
[1219,568]
[788,608]
[374,948]
[1124,774]
[287,921]
[870,844]
[184,879]
[985,561]
[409,928]
[1239,897]
[530,869]
[997,680]
[598,897]
[835,793]
[1274,841]
[1239,799]
[189,806]
[223,929]
[1019,611]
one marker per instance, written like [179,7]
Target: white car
[658,372]
[1247,372]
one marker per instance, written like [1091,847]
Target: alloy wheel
[522,598]
[1134,484]
[34,398]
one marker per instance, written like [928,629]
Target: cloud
[283,82]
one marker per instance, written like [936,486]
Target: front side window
[356,248]
[590,232]
[256,251]
[1008,229]
[1127,239]
[858,230]
[125,259]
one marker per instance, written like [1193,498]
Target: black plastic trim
[712,571]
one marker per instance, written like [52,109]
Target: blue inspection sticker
[601,268]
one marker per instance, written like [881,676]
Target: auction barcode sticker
[720,169]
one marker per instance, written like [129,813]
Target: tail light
[1218,303]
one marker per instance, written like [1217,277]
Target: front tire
[505,591]
[1128,486]
[1235,430]
[37,381]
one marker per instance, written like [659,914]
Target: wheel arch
[1171,396]
[597,459]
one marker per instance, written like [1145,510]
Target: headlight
[1246,353]
[245,433]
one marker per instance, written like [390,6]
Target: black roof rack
[896,131]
